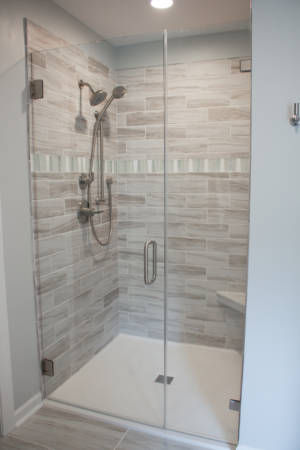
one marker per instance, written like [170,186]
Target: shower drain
[161,379]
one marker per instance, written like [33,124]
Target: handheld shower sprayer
[85,212]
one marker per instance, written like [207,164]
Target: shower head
[119,92]
[96,97]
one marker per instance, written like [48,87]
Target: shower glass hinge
[161,379]
[48,367]
[235,405]
[36,89]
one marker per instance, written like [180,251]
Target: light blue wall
[14,180]
[180,49]
[185,49]
[271,394]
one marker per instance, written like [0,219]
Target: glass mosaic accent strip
[55,163]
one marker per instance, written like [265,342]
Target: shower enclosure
[148,327]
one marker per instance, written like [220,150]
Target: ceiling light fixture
[161,4]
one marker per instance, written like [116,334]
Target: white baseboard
[203,443]
[29,408]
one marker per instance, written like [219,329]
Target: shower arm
[81,84]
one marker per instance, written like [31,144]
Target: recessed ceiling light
[161,4]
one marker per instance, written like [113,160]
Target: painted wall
[14,179]
[185,49]
[271,396]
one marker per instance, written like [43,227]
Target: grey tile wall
[208,189]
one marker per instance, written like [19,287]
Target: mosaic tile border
[70,164]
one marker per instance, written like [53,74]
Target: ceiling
[112,19]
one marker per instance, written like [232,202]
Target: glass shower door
[207,193]
[100,312]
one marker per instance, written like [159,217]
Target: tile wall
[208,189]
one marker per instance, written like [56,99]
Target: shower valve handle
[84,212]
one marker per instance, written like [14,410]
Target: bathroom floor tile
[11,443]
[62,430]
[140,441]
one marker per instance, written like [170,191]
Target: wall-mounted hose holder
[295,119]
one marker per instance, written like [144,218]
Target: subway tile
[208,100]
[48,208]
[58,348]
[204,259]
[40,189]
[144,118]
[228,113]
[131,132]
[97,67]
[239,201]
[129,76]
[157,132]
[188,116]
[50,246]
[207,201]
[186,271]
[239,231]
[224,274]
[230,246]
[132,105]
[208,130]
[238,261]
[63,189]
[51,281]
[157,102]
[187,215]
[206,230]
[240,97]
[186,244]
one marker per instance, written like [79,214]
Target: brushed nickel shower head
[96,97]
[119,92]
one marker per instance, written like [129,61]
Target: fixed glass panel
[100,315]
[207,192]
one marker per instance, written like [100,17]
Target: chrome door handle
[146,263]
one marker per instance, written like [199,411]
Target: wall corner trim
[29,408]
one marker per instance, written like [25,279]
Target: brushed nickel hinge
[47,367]
[161,379]
[235,405]
[36,89]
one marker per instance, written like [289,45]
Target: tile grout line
[121,440]
[30,442]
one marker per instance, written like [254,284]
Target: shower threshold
[118,382]
[200,443]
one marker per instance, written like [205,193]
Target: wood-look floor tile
[11,443]
[63,430]
[140,441]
